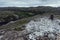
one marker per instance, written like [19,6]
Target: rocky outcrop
[14,35]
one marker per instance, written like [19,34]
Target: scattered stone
[51,17]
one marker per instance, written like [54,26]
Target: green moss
[23,21]
[24,14]
[18,29]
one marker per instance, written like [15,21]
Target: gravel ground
[19,35]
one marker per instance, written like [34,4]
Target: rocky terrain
[29,23]
[12,35]
[15,30]
[27,34]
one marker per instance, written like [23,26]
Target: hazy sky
[27,3]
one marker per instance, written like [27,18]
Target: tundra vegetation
[13,20]
[13,14]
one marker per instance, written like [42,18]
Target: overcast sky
[27,3]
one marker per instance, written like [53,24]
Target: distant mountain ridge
[32,9]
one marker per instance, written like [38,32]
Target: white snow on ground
[41,26]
